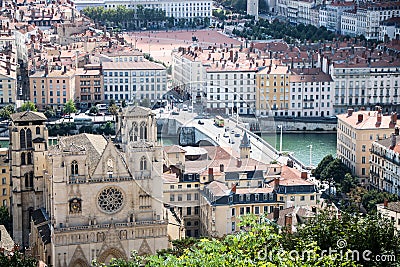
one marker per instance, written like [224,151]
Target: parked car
[237,134]
[200,122]
[174,113]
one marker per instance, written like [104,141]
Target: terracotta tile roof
[292,177]
[28,116]
[218,189]
[369,120]
[141,65]
[174,149]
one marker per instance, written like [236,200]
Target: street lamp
[280,140]
[310,146]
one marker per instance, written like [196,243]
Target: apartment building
[5,178]
[362,83]
[333,13]
[273,92]
[52,88]
[134,81]
[390,211]
[355,133]
[8,81]
[385,164]
[89,85]
[311,93]
[389,29]
[252,8]
[294,190]
[177,9]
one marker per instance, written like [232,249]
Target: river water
[298,143]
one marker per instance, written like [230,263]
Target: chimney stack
[393,120]
[238,163]
[393,141]
[288,222]
[276,213]
[350,112]
[360,118]
[221,167]
[378,119]
[276,183]
[210,174]
[304,175]
[396,131]
[385,203]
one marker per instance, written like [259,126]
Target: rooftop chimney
[360,118]
[210,174]
[393,120]
[276,214]
[238,163]
[350,112]
[233,189]
[288,222]
[392,141]
[221,167]
[385,203]
[396,131]
[378,119]
[276,183]
[304,175]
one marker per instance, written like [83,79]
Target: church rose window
[110,200]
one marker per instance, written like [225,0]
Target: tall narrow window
[143,131]
[29,138]
[29,156]
[37,130]
[23,158]
[31,179]
[26,176]
[143,164]
[22,140]
[74,168]
[135,132]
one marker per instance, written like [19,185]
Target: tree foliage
[258,244]
[373,197]
[61,129]
[353,232]
[336,170]
[94,110]
[321,166]
[16,259]
[6,111]
[28,106]
[69,107]
[5,218]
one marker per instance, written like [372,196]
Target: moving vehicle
[219,121]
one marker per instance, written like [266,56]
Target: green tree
[123,104]
[373,197]
[107,129]
[321,166]
[349,182]
[113,109]
[351,231]
[16,259]
[28,106]
[69,107]
[6,111]
[5,218]
[336,170]
[49,112]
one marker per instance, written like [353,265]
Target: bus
[219,121]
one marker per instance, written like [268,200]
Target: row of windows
[180,197]
[133,73]
[180,186]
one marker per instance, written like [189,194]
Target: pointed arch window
[29,158]
[37,130]
[29,138]
[22,140]
[74,168]
[23,158]
[143,164]
[26,176]
[135,132]
[143,131]
[31,179]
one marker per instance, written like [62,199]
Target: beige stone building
[89,85]
[355,133]
[5,178]
[52,88]
[391,211]
[99,199]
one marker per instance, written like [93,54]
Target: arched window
[23,158]
[29,138]
[29,154]
[74,168]
[135,131]
[37,130]
[31,179]
[22,140]
[26,176]
[143,131]
[143,164]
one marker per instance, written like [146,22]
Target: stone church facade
[100,199]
